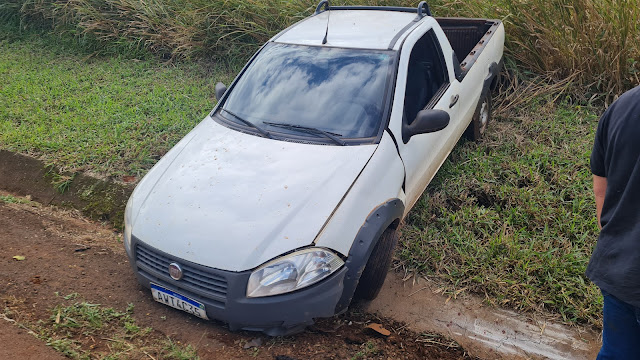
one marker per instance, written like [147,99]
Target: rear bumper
[274,315]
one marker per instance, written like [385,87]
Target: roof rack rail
[421,10]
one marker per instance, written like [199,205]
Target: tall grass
[592,42]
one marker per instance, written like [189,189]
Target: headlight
[127,226]
[292,272]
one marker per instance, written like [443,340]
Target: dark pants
[620,330]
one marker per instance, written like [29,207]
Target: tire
[377,266]
[481,119]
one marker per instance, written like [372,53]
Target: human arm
[599,190]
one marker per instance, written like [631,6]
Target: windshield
[340,91]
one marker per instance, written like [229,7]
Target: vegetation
[81,330]
[512,217]
[592,42]
[114,116]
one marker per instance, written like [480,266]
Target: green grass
[10,199]
[513,217]
[73,329]
[114,116]
[81,330]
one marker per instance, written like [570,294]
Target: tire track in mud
[485,332]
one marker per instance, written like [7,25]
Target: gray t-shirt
[615,263]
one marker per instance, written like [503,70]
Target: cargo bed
[468,38]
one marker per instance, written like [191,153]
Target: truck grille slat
[194,279]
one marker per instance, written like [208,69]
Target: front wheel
[377,266]
[481,119]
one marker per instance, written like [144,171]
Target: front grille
[201,280]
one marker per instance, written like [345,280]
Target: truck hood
[232,201]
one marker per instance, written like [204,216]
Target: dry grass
[592,42]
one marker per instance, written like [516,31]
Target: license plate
[178,301]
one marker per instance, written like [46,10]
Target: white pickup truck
[283,204]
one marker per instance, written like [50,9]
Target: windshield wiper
[250,124]
[309,130]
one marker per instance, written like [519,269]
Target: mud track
[68,254]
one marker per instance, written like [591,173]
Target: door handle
[454,100]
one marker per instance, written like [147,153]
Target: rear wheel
[377,266]
[481,118]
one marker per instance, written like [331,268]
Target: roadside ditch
[98,199]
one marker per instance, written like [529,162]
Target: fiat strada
[284,202]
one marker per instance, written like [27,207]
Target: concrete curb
[97,199]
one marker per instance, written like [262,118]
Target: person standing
[615,264]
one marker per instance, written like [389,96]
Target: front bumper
[224,293]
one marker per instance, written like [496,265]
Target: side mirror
[220,90]
[427,121]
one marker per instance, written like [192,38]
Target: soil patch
[17,343]
[65,254]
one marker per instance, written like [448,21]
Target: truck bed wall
[464,34]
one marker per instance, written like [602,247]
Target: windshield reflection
[337,90]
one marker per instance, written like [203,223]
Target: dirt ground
[66,254]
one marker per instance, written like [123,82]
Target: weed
[176,351]
[74,330]
[71,296]
[368,349]
[67,348]
[62,182]
[10,199]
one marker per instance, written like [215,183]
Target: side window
[427,72]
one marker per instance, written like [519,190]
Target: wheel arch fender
[387,214]
[490,81]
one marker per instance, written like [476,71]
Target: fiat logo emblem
[175,271]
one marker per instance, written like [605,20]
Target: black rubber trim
[395,142]
[457,70]
[402,32]
[322,3]
[437,96]
[389,96]
[377,8]
[389,93]
[494,70]
[375,224]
